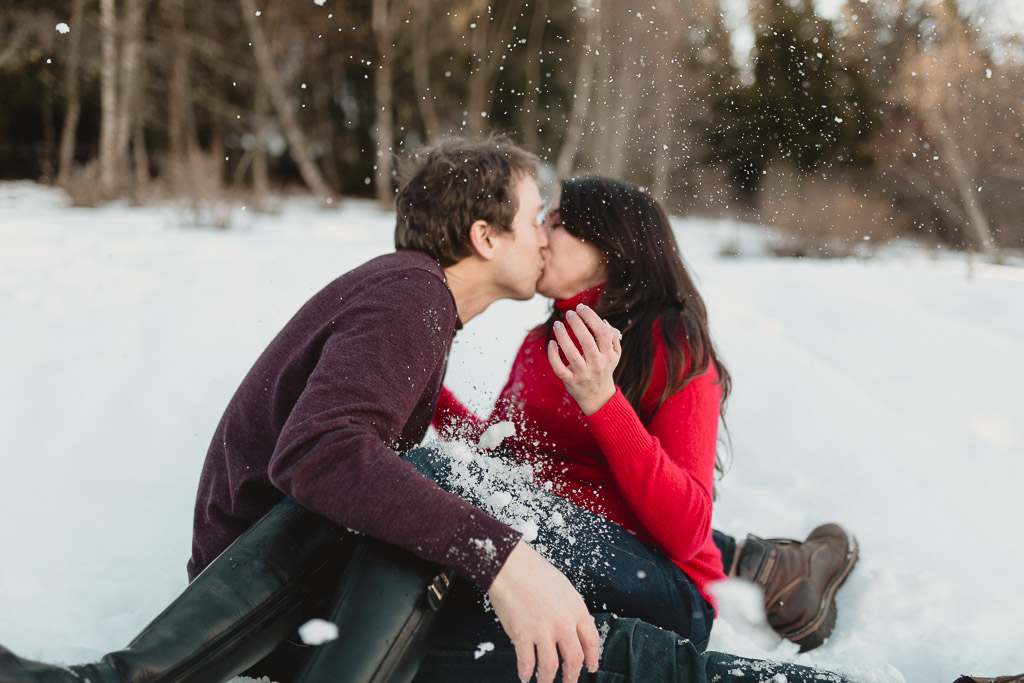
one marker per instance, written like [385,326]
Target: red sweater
[655,479]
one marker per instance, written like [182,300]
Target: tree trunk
[629,93]
[490,42]
[663,101]
[260,173]
[382,84]
[128,100]
[584,80]
[141,160]
[421,76]
[535,47]
[180,125]
[13,46]
[49,87]
[297,145]
[73,93]
[108,96]
[602,144]
[977,221]
[476,98]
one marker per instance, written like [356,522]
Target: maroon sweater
[350,380]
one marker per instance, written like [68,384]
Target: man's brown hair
[444,189]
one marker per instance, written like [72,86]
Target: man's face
[520,259]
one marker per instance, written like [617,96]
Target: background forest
[839,129]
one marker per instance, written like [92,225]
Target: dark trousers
[654,623]
[631,650]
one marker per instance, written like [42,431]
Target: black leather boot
[241,607]
[383,608]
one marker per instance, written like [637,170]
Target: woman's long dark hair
[647,282]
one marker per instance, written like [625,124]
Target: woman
[617,399]
[626,429]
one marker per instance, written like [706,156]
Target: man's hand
[544,616]
[589,376]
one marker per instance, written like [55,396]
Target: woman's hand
[588,377]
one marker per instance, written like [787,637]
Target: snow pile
[886,395]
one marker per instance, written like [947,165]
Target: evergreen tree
[804,104]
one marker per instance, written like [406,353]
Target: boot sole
[817,631]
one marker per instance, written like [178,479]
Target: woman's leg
[613,571]
[728,547]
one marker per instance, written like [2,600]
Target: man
[349,383]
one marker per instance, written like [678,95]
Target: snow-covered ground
[884,394]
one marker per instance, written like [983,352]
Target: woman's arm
[453,419]
[665,470]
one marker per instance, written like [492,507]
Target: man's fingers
[572,354]
[526,660]
[572,657]
[547,661]
[590,639]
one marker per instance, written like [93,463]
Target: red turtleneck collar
[587,297]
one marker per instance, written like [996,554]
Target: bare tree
[535,56]
[72,92]
[298,147]
[948,87]
[384,33]
[421,58]
[491,37]
[181,136]
[108,96]
[129,124]
[572,142]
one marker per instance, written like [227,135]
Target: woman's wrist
[592,404]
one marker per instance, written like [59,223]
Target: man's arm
[376,367]
[544,616]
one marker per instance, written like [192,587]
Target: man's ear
[482,239]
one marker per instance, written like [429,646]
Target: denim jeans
[654,623]
[631,650]
[612,570]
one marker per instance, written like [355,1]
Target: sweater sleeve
[666,469]
[334,456]
[453,418]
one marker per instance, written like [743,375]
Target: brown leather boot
[800,580]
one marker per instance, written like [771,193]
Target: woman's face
[570,265]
